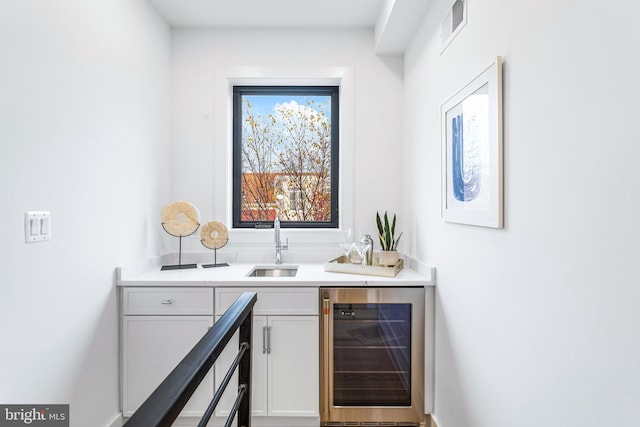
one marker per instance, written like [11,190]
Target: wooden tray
[343,265]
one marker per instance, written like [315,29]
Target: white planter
[388,258]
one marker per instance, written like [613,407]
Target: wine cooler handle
[326,308]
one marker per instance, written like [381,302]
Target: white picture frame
[472,163]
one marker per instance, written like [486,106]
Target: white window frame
[224,80]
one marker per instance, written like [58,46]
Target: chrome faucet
[279,245]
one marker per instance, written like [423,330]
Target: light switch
[37,226]
[44,225]
[34,227]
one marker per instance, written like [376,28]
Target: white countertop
[309,274]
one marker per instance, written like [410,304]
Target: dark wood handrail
[164,405]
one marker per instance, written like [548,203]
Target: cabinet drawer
[169,301]
[282,301]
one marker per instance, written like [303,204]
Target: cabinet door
[293,366]
[258,371]
[152,347]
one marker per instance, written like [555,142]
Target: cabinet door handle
[166,301]
[268,339]
[264,340]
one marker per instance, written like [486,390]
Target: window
[285,156]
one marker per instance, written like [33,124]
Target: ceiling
[394,21]
[269,13]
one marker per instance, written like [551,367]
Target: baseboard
[434,421]
[116,422]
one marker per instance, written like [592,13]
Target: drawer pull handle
[166,301]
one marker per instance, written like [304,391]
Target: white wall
[537,324]
[84,110]
[202,58]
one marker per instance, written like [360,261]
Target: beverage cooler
[372,356]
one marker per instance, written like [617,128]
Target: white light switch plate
[37,226]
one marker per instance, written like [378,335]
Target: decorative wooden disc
[180,218]
[214,235]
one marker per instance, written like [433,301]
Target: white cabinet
[161,324]
[293,366]
[159,327]
[285,359]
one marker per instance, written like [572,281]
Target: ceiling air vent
[453,23]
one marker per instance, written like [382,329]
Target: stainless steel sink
[274,271]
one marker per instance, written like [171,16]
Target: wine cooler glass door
[372,354]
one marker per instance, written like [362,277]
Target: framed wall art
[472,187]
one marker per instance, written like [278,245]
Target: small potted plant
[388,243]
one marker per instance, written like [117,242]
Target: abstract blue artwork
[472,152]
[466,181]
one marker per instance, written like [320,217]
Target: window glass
[285,159]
